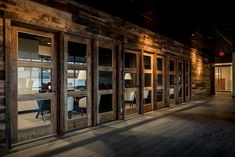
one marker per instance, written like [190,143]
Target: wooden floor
[204,128]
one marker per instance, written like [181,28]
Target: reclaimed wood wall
[2,87]
[71,17]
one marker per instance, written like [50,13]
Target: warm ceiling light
[221,53]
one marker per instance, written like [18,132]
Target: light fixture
[127,76]
[82,75]
[221,53]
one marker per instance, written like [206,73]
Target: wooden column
[233,71]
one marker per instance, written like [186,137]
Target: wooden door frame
[160,104]
[13,97]
[168,73]
[132,70]
[150,107]
[63,73]
[113,91]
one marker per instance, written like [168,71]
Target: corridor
[202,128]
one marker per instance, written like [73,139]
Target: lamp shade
[82,75]
[127,76]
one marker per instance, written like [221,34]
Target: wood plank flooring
[204,128]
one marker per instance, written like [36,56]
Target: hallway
[197,128]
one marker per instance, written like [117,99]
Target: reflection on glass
[105,103]
[76,80]
[130,80]
[105,57]
[159,80]
[76,107]
[159,95]
[147,96]
[159,64]
[172,93]
[130,60]
[172,66]
[105,80]
[34,113]
[34,48]
[33,80]
[180,67]
[147,80]
[147,62]
[76,53]
[186,67]
[186,77]
[172,80]
[180,92]
[179,79]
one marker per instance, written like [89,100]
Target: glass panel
[147,80]
[186,91]
[34,48]
[159,64]
[33,80]
[105,103]
[172,66]
[159,80]
[147,62]
[186,79]
[76,107]
[172,80]
[180,91]
[172,93]
[130,99]
[130,80]
[105,57]
[34,113]
[130,60]
[186,67]
[179,79]
[105,80]
[76,53]
[180,67]
[159,95]
[147,96]
[76,80]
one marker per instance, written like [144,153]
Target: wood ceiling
[205,25]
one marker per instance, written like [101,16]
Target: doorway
[106,82]
[131,83]
[34,84]
[223,77]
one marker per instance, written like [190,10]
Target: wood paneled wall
[71,17]
[2,87]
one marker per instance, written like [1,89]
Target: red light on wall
[221,53]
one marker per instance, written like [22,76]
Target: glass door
[106,69]
[223,77]
[147,92]
[187,80]
[34,75]
[171,81]
[77,78]
[131,83]
[160,82]
[179,81]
